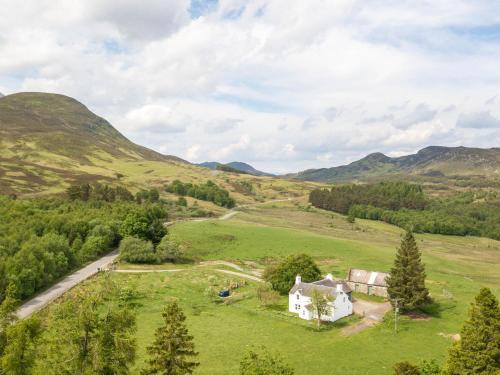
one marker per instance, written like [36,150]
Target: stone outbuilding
[368,282]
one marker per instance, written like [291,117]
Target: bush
[405,368]
[135,250]
[264,363]
[169,250]
[267,296]
[282,276]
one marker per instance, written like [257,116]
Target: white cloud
[478,120]
[284,84]
[193,152]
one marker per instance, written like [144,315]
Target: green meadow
[456,267]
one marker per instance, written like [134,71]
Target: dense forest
[43,239]
[407,206]
[207,191]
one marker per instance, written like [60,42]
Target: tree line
[43,239]
[407,206]
[207,191]
[388,195]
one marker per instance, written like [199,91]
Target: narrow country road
[57,290]
[38,302]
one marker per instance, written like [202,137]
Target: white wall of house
[341,307]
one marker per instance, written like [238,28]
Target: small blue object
[224,293]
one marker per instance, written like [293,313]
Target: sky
[284,85]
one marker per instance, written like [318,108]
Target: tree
[182,202]
[282,276]
[20,350]
[89,334]
[169,250]
[135,225]
[478,350]
[405,368]
[135,250]
[173,346]
[321,305]
[7,315]
[406,281]
[115,346]
[263,363]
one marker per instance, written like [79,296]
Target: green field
[456,269]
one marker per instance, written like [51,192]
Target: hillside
[433,164]
[240,166]
[48,141]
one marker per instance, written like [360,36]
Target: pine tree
[406,281]
[173,346]
[478,350]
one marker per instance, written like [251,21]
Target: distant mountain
[239,166]
[47,140]
[433,161]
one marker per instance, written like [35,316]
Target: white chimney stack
[329,276]
[298,279]
[339,287]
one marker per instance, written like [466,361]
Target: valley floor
[242,245]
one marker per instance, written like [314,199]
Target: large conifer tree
[406,282]
[478,350]
[173,346]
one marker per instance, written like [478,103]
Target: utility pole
[396,312]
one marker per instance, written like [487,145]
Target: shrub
[405,368]
[135,250]
[267,296]
[169,250]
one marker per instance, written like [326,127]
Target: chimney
[340,287]
[298,279]
[329,276]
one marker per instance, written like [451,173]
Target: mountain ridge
[49,138]
[237,165]
[433,161]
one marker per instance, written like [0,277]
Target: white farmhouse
[299,298]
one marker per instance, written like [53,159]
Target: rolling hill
[434,163]
[49,141]
[237,165]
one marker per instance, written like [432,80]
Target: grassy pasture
[456,269]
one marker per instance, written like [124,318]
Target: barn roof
[367,277]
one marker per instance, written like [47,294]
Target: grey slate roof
[333,284]
[324,286]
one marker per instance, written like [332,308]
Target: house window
[344,298]
[298,297]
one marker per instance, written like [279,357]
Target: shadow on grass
[433,309]
[327,326]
